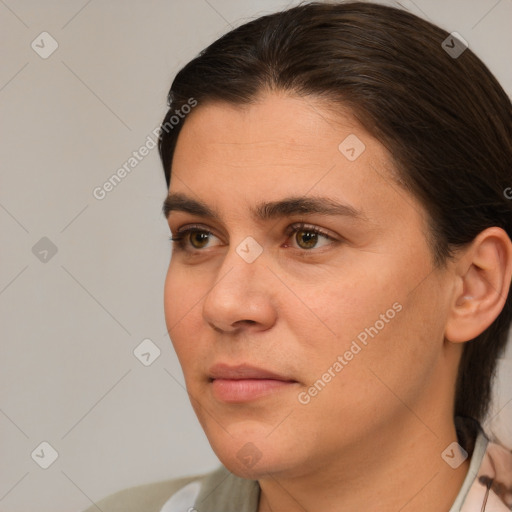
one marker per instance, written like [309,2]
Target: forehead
[280,137]
[274,129]
[281,146]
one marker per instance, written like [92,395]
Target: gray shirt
[222,491]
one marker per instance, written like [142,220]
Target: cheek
[182,303]
[403,344]
[172,287]
[183,291]
[381,321]
[351,302]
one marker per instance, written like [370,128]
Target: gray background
[70,324]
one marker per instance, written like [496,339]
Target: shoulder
[491,488]
[217,490]
[152,497]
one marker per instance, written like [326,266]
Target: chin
[252,469]
[255,455]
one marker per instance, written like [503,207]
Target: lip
[243,371]
[243,383]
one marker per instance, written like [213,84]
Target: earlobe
[484,272]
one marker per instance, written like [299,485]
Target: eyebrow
[294,205]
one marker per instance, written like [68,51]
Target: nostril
[242,322]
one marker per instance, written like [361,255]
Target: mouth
[244,383]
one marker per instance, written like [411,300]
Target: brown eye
[198,239]
[306,238]
[192,239]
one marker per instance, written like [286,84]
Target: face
[303,304]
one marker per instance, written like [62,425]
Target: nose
[242,296]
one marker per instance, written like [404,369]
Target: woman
[339,288]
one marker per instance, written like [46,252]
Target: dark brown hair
[446,122]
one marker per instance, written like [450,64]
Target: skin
[376,431]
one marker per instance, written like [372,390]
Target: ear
[483,275]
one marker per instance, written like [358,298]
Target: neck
[399,469]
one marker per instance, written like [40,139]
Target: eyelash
[179,240]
